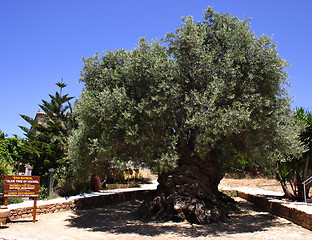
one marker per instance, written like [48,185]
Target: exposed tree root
[188,193]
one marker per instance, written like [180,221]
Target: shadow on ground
[122,219]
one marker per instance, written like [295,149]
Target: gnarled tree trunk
[190,192]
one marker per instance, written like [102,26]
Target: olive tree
[184,107]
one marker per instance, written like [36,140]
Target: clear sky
[43,41]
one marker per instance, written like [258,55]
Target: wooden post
[35,208]
[5,204]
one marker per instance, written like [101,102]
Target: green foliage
[286,171]
[2,135]
[305,118]
[12,201]
[231,193]
[43,193]
[13,152]
[57,113]
[70,185]
[213,87]
[48,139]
[298,169]
[15,200]
[240,164]
[6,160]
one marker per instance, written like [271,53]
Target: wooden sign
[21,186]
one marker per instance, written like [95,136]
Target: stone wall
[279,208]
[81,203]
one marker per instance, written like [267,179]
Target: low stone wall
[87,202]
[27,212]
[279,208]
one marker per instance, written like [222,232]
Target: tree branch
[180,135]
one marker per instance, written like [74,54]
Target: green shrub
[11,201]
[15,200]
[43,193]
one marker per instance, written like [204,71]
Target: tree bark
[298,182]
[190,192]
[286,191]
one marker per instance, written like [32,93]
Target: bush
[12,201]
[43,193]
[68,184]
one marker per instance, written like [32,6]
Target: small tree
[296,170]
[14,152]
[184,109]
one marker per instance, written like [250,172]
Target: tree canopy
[190,103]
[216,86]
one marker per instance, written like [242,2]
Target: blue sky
[43,41]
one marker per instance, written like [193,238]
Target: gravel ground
[120,222]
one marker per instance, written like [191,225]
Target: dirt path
[120,222]
[261,183]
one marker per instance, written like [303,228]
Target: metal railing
[309,180]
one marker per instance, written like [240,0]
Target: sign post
[22,186]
